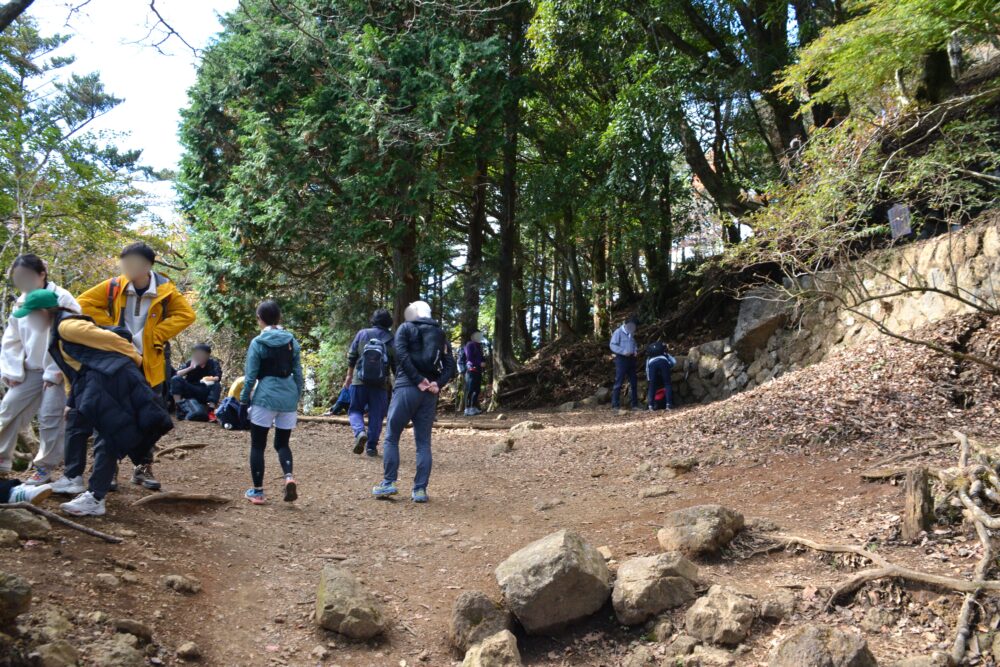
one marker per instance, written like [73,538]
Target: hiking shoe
[42,475]
[30,494]
[255,496]
[291,490]
[385,489]
[371,453]
[69,486]
[420,496]
[360,442]
[84,504]
[143,474]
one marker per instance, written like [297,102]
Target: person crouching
[108,393]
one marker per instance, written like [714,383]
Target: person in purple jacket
[474,366]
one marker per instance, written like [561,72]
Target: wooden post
[918,513]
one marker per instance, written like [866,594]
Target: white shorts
[267,418]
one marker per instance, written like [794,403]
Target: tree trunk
[474,251]
[10,11]
[405,268]
[503,349]
[543,320]
[599,257]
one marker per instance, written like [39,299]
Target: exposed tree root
[170,497]
[474,425]
[51,516]
[176,448]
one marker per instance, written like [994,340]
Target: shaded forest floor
[789,452]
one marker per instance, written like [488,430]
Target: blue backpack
[232,415]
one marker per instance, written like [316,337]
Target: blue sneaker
[255,496]
[385,489]
[420,496]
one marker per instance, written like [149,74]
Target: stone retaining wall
[772,338]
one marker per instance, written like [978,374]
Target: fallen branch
[171,497]
[175,448]
[475,425]
[884,570]
[113,539]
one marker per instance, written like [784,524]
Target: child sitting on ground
[272,387]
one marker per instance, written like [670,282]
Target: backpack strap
[114,289]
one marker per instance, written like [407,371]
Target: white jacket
[26,348]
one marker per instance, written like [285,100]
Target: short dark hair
[633,319]
[269,312]
[141,249]
[381,318]
[204,347]
[31,262]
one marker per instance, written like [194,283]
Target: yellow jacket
[87,333]
[169,314]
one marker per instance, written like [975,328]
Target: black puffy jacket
[414,358]
[111,393]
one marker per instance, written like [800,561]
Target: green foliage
[64,193]
[858,59]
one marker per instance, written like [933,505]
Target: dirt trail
[259,565]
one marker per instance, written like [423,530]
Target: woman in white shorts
[272,388]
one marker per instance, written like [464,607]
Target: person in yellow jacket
[152,309]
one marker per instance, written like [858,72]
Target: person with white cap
[424,365]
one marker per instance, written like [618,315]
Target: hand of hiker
[424,385]
[433,388]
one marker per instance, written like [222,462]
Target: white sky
[110,37]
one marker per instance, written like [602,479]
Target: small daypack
[193,410]
[430,358]
[232,415]
[373,365]
[656,349]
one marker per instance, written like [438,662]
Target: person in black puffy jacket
[424,365]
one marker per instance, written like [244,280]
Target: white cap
[417,310]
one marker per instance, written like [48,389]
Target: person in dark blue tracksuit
[659,365]
[367,395]
[626,355]
[424,365]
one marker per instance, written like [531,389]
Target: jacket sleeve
[404,364]
[12,352]
[84,332]
[52,372]
[177,317]
[352,352]
[616,345]
[250,372]
[216,368]
[94,304]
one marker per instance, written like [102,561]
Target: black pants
[258,443]
[473,386]
[625,370]
[203,393]
[78,432]
[6,486]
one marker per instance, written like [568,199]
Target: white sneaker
[68,486]
[84,504]
[42,475]
[25,493]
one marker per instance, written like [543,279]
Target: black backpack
[429,359]
[373,365]
[657,349]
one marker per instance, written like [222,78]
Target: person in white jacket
[34,383]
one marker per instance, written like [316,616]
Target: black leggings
[258,443]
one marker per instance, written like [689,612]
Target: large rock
[15,596]
[603,395]
[646,586]
[119,651]
[724,616]
[525,427]
[59,653]
[499,650]
[476,617]
[699,530]
[822,646]
[554,581]
[762,312]
[345,606]
[28,526]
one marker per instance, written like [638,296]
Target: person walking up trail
[424,365]
[34,382]
[626,353]
[273,384]
[154,311]
[108,393]
[474,366]
[371,361]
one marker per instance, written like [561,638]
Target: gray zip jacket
[623,343]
